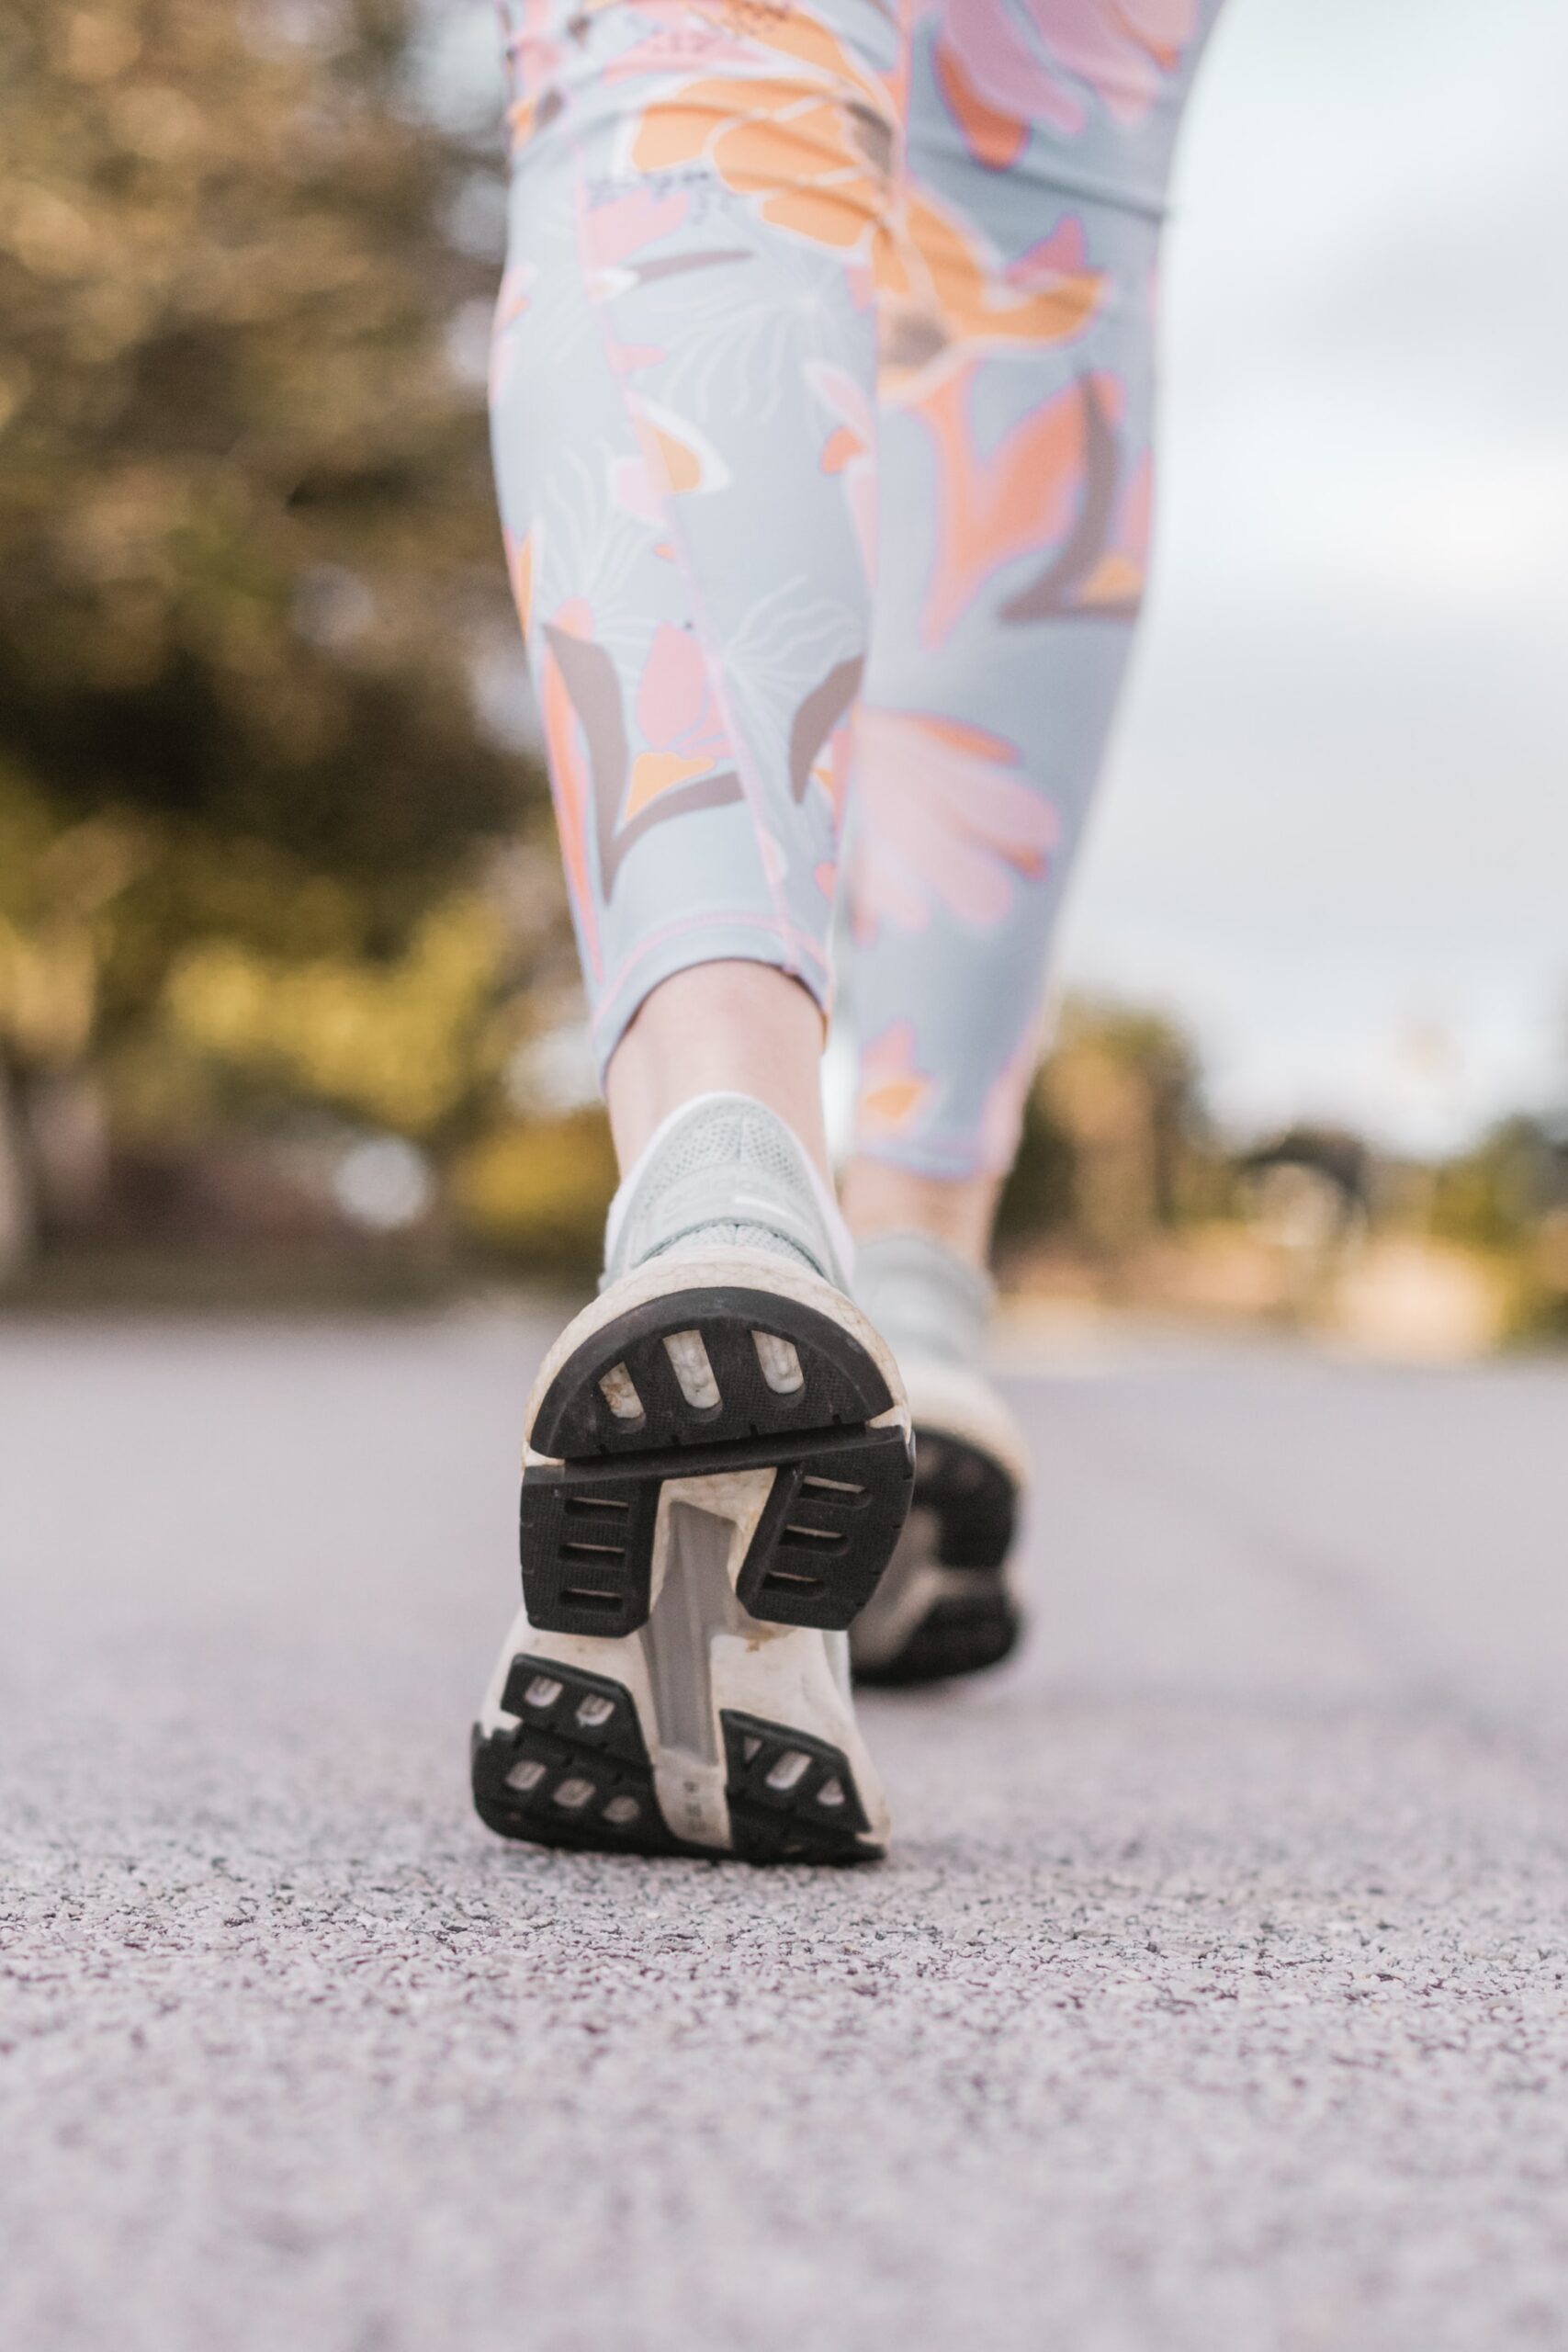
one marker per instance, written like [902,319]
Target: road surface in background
[1216,1999]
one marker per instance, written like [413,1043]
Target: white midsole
[700,1654]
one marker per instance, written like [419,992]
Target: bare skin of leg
[881,1199]
[750,1029]
[720,1028]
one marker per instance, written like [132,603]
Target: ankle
[721,1028]
[956,1212]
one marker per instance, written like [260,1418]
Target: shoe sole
[732,1367]
[717,1467]
[705,1734]
[946,1605]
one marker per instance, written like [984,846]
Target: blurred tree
[1507,1197]
[246,532]
[242,484]
[1119,1087]
[1491,1196]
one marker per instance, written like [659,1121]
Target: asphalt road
[1215,2000]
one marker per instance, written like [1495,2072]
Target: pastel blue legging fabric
[820,407]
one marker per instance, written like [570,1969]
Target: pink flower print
[678,717]
[946,820]
[1123,48]
[632,488]
[1063,256]
[624,225]
[1003,73]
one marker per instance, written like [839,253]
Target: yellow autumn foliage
[401,1044]
[539,1191]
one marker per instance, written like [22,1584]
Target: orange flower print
[893,1089]
[815,160]
[1097,567]
[946,296]
[994,508]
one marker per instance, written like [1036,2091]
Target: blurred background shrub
[261,859]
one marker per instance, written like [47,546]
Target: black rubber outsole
[974,1501]
[956,1635]
[588,1517]
[575,1772]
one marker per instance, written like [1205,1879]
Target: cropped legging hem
[717,938]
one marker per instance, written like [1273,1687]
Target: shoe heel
[574,1769]
[792,1797]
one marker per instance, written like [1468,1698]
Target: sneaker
[717,1468]
[948,1602]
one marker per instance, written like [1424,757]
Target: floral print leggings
[821,416]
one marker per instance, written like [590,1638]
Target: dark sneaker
[948,1604]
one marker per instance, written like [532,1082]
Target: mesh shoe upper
[725,1171]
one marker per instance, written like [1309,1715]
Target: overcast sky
[1334,836]
[1336,831]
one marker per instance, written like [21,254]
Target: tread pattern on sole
[587,1550]
[840,1385]
[589,1516]
[973,1501]
[974,1498]
[958,1634]
[574,1770]
[792,1797]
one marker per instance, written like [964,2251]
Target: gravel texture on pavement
[1214,2000]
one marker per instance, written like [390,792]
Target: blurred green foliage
[244,493]
[1508,1199]
[1115,1141]
[248,810]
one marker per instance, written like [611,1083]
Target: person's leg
[718,1454]
[1016,480]
[719,1029]
[683,426]
[1015,451]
